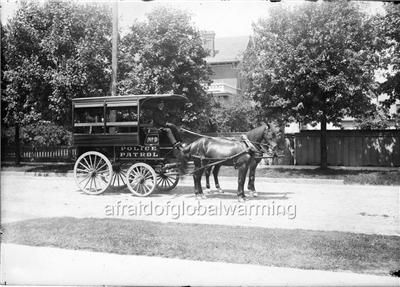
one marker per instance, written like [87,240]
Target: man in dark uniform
[159,121]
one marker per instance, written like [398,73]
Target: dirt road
[316,206]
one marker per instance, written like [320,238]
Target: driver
[159,121]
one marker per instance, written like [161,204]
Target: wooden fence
[345,148]
[350,148]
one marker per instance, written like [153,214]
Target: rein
[205,136]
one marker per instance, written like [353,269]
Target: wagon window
[89,120]
[122,119]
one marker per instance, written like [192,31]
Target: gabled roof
[229,49]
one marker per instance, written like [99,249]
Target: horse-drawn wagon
[117,144]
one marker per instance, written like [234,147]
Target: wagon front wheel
[141,179]
[168,180]
[93,172]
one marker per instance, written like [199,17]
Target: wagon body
[117,132]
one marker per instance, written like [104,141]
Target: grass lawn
[325,250]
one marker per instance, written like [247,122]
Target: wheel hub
[141,179]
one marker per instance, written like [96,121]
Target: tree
[313,64]
[54,52]
[374,120]
[238,116]
[390,57]
[165,55]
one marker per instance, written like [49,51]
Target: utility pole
[114,49]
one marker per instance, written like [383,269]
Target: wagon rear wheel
[93,172]
[141,179]
[118,179]
[168,180]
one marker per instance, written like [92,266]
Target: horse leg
[215,174]
[196,177]
[243,166]
[207,173]
[199,194]
[252,176]
[198,191]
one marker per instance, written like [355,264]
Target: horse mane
[256,134]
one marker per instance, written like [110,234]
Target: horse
[228,152]
[259,139]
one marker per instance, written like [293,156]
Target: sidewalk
[25,265]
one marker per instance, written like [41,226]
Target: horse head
[269,138]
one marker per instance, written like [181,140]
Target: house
[225,57]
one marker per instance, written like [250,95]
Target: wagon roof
[130,99]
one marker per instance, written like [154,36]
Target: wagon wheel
[118,179]
[92,172]
[141,179]
[167,180]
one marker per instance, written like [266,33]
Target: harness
[250,144]
[250,148]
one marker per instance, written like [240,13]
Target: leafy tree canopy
[390,33]
[313,63]
[55,51]
[165,55]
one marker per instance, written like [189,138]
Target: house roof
[229,49]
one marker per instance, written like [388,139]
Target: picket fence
[29,153]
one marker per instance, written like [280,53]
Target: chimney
[208,38]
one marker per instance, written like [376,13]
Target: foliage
[40,134]
[390,57]
[239,116]
[45,134]
[314,62]
[55,51]
[165,55]
[374,120]
[2,67]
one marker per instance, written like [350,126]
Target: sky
[225,18]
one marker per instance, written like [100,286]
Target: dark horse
[241,154]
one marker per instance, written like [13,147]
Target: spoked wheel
[93,172]
[167,180]
[118,179]
[141,179]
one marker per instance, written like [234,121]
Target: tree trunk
[17,146]
[324,154]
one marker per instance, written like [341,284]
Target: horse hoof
[242,199]
[253,193]
[219,190]
[201,196]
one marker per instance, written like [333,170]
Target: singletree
[313,64]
